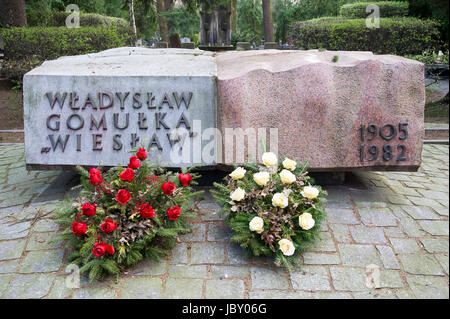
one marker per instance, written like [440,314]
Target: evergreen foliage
[137,235]
[279,223]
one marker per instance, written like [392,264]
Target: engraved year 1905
[390,150]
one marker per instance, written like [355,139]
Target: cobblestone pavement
[394,222]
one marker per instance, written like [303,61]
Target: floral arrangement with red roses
[125,214]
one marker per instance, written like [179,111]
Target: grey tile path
[391,224]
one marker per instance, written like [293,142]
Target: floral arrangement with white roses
[125,214]
[273,209]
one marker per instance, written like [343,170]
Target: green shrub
[45,43]
[387,9]
[88,20]
[399,36]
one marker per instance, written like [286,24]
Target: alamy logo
[73,19]
[373,19]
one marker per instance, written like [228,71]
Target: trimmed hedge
[387,9]
[399,36]
[89,20]
[46,43]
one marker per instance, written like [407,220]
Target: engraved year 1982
[391,149]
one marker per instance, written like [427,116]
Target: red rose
[146,211]
[101,249]
[134,163]
[185,179]
[123,196]
[127,175]
[88,209]
[95,176]
[142,155]
[168,188]
[108,226]
[174,212]
[79,228]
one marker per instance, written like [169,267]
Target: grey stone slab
[198,233]
[45,225]
[236,255]
[388,257]
[141,288]
[183,289]
[148,268]
[359,255]
[435,227]
[420,264]
[420,212]
[280,294]
[393,232]
[348,278]
[173,71]
[368,235]
[9,266]
[42,261]
[390,279]
[268,278]
[225,272]
[218,232]
[310,258]
[39,241]
[210,211]
[375,294]
[311,278]
[179,254]
[94,293]
[60,289]
[207,253]
[187,271]
[29,286]
[426,287]
[443,260]
[435,245]
[11,249]
[341,233]
[341,216]
[326,243]
[377,217]
[225,289]
[405,245]
[4,282]
[411,228]
[11,230]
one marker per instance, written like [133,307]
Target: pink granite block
[318,105]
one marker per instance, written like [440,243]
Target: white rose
[287,177]
[238,194]
[289,164]
[306,221]
[280,200]
[256,224]
[261,178]
[269,159]
[310,192]
[238,173]
[287,247]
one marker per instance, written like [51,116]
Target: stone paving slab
[386,236]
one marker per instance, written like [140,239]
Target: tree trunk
[174,39]
[233,15]
[163,28]
[12,13]
[267,18]
[132,20]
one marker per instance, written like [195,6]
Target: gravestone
[191,107]
[91,109]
